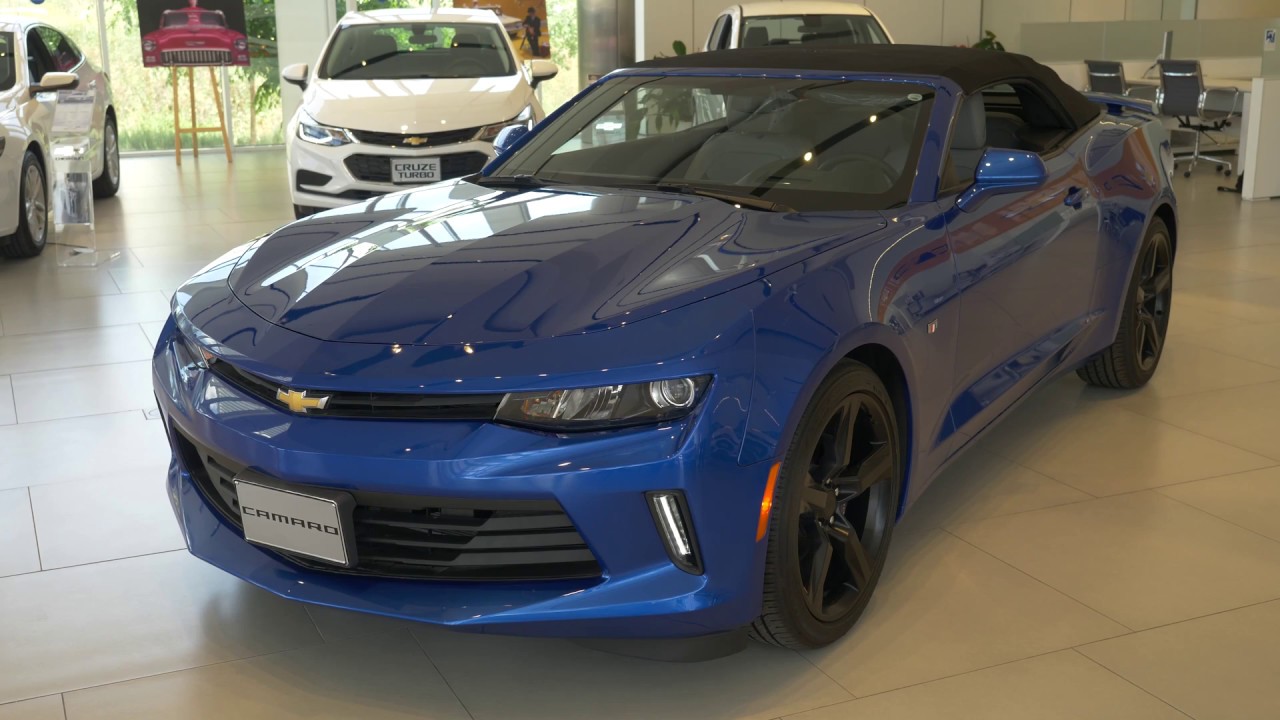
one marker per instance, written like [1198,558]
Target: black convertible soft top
[971,69]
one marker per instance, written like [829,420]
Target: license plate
[315,525]
[415,171]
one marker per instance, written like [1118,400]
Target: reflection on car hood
[416,106]
[459,263]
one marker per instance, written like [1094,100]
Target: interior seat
[756,37]
[969,140]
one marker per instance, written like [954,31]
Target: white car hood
[416,106]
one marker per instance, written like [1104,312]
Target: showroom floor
[1101,555]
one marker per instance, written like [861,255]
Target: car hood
[416,106]
[457,263]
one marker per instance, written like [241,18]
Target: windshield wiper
[750,201]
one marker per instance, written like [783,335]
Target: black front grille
[310,177]
[446,137]
[368,405]
[377,168]
[195,57]
[408,536]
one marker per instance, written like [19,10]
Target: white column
[302,27]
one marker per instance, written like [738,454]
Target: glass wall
[144,96]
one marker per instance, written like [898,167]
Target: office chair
[1106,76]
[1182,95]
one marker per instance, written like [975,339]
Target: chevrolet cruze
[402,98]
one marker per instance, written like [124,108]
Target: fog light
[671,515]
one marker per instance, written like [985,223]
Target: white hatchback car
[795,22]
[401,98]
[36,60]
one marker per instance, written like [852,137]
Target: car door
[35,110]
[1026,261]
[64,56]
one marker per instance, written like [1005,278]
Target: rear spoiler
[1117,104]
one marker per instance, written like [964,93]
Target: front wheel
[1144,320]
[33,212]
[834,509]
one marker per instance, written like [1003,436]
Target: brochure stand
[74,238]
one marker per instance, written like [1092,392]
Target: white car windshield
[811,29]
[6,61]
[406,51]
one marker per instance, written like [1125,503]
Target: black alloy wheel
[1132,359]
[834,512]
[1152,301]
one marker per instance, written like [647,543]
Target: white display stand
[74,238]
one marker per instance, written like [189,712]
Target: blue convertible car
[676,362]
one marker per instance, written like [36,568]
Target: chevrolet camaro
[675,363]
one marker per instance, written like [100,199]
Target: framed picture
[192,32]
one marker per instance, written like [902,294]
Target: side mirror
[53,81]
[509,138]
[296,74]
[1003,171]
[542,71]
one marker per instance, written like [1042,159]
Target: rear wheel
[834,508]
[33,212]
[108,183]
[1144,321]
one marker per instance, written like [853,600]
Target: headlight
[604,407]
[489,132]
[149,45]
[242,44]
[314,132]
[191,354]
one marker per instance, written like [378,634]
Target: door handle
[1075,197]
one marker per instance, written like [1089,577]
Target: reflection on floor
[1102,555]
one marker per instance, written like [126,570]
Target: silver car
[35,61]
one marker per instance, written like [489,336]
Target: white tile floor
[1102,555]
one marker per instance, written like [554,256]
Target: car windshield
[405,51]
[7,77]
[180,18]
[803,144]
[814,30]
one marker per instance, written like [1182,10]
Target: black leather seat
[755,37]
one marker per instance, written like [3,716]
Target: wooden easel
[193,130]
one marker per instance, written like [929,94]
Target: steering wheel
[457,67]
[876,165]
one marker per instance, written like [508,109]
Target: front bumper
[599,479]
[328,177]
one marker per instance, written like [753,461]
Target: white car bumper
[327,177]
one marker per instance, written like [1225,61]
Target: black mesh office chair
[1106,76]
[1182,96]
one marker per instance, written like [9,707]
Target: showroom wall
[1005,17]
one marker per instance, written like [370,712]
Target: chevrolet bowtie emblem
[416,141]
[298,402]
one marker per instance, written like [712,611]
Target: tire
[809,513]
[1132,359]
[33,212]
[108,183]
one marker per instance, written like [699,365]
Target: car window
[8,71]
[405,51]
[38,61]
[1015,116]
[173,18]
[212,19]
[808,144]
[815,30]
[64,56]
[720,33]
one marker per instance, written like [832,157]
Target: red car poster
[525,21]
[192,32]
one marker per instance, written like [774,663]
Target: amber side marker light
[766,503]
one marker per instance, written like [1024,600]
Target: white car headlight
[489,132]
[313,132]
